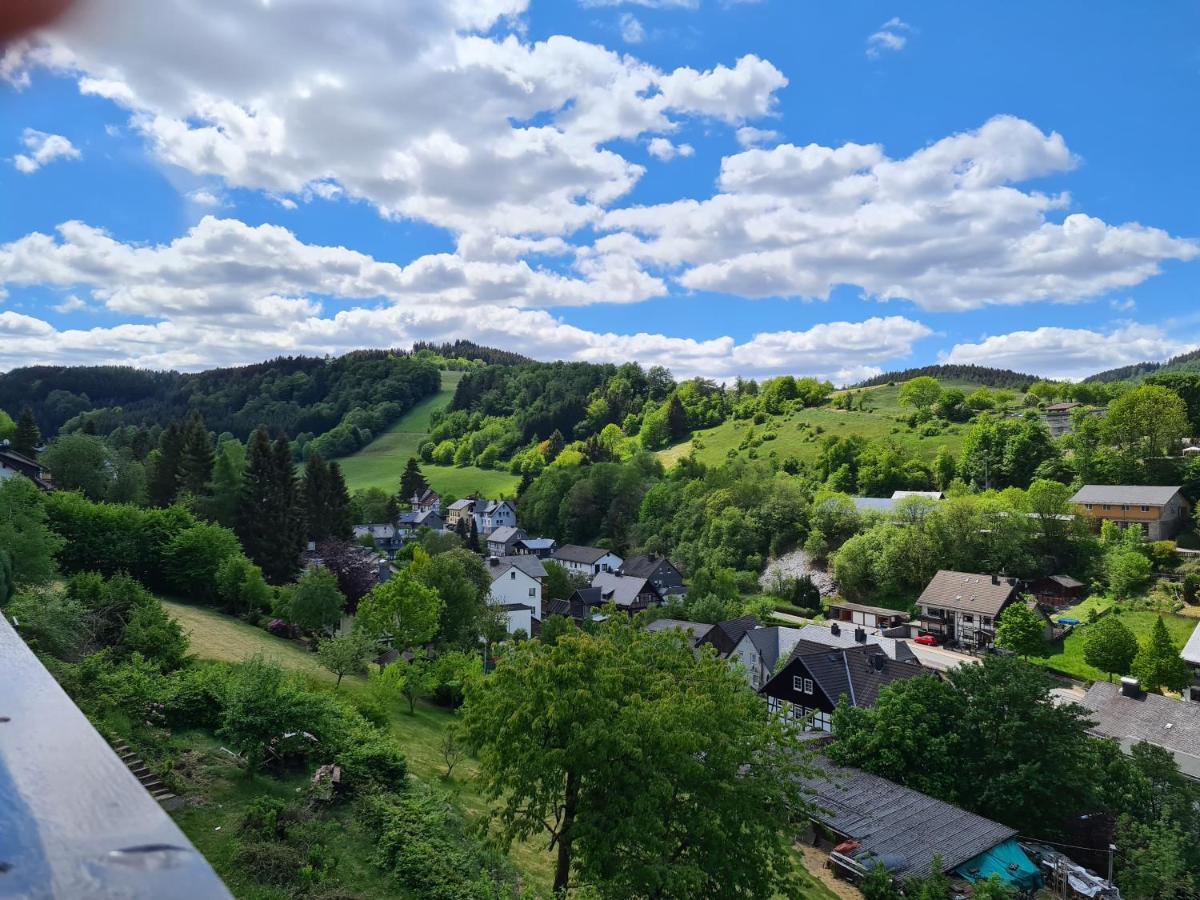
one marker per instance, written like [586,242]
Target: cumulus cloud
[204,197]
[749,136]
[43,149]
[662,149]
[1068,352]
[891,37]
[227,293]
[632,30]
[443,114]
[649,4]
[945,227]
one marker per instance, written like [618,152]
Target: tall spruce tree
[226,485]
[165,482]
[412,481]
[27,436]
[270,519]
[196,457]
[326,501]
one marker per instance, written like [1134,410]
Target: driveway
[940,658]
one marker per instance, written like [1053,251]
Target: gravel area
[797,564]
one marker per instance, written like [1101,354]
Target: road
[941,659]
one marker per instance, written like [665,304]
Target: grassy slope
[1067,658]
[380,463]
[804,444]
[217,636]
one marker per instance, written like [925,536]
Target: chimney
[1130,687]
[995,579]
[652,556]
[877,662]
[860,635]
[835,628]
[493,560]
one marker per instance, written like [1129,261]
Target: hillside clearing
[800,433]
[379,464]
[1067,658]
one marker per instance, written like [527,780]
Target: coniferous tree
[27,436]
[164,484]
[412,481]
[226,487]
[270,518]
[195,471]
[677,423]
[341,521]
[473,538]
[326,501]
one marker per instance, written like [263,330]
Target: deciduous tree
[1110,646]
[346,654]
[1021,630]
[402,608]
[316,603]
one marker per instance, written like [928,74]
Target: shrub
[264,819]
[372,759]
[195,696]
[270,863]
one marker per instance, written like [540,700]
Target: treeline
[470,351]
[1183,362]
[334,405]
[985,375]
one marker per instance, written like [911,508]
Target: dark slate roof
[427,496]
[530,565]
[967,592]
[1064,581]
[773,642]
[536,543]
[575,553]
[849,671]
[734,629]
[823,637]
[622,590]
[504,534]
[556,608]
[889,820]
[589,596]
[1173,725]
[1126,494]
[30,468]
[642,566]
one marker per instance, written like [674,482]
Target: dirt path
[814,861]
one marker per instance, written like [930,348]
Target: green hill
[380,463]
[799,433]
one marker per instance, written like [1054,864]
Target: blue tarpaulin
[1008,861]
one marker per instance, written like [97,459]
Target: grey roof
[848,671]
[773,643]
[622,590]
[873,504]
[695,630]
[1126,494]
[873,610]
[928,495]
[530,565]
[419,519]
[821,634]
[643,566]
[967,592]
[887,819]
[1173,725]
[1191,650]
[578,554]
[536,543]
[589,596]
[494,505]
[1065,581]
[504,534]
[465,503]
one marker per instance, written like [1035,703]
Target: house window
[533,592]
[986,620]
[1107,506]
[968,619]
[1124,507]
[1088,505]
[801,685]
[1145,509]
[512,575]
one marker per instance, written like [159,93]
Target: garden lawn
[381,462]
[1067,658]
[796,433]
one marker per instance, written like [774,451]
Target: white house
[517,590]
[586,561]
[760,650]
[379,531]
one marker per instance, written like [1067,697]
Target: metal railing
[74,821]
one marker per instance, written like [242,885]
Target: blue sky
[722,187]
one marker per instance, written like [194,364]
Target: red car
[928,640]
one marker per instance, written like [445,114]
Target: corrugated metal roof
[1126,494]
[890,820]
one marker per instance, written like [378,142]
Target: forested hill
[469,350]
[983,375]
[1185,362]
[342,399]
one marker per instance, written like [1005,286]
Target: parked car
[928,640]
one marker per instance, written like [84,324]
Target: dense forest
[985,375]
[1184,362]
[342,402]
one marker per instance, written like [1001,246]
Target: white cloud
[649,4]
[632,30]
[71,304]
[1128,304]
[662,149]
[1068,352]
[205,197]
[43,149]
[891,37]
[749,136]
[228,293]
[443,114]
[945,227]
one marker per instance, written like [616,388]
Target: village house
[517,590]
[665,580]
[410,522]
[460,510]
[1162,511]
[586,561]
[807,688]
[630,594]
[13,463]
[503,541]
[495,514]
[963,607]
[426,500]
[541,547]
[1191,655]
[695,630]
[867,616]
[1058,591]
[377,531]
[724,636]
[1129,716]
[864,821]
[760,649]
